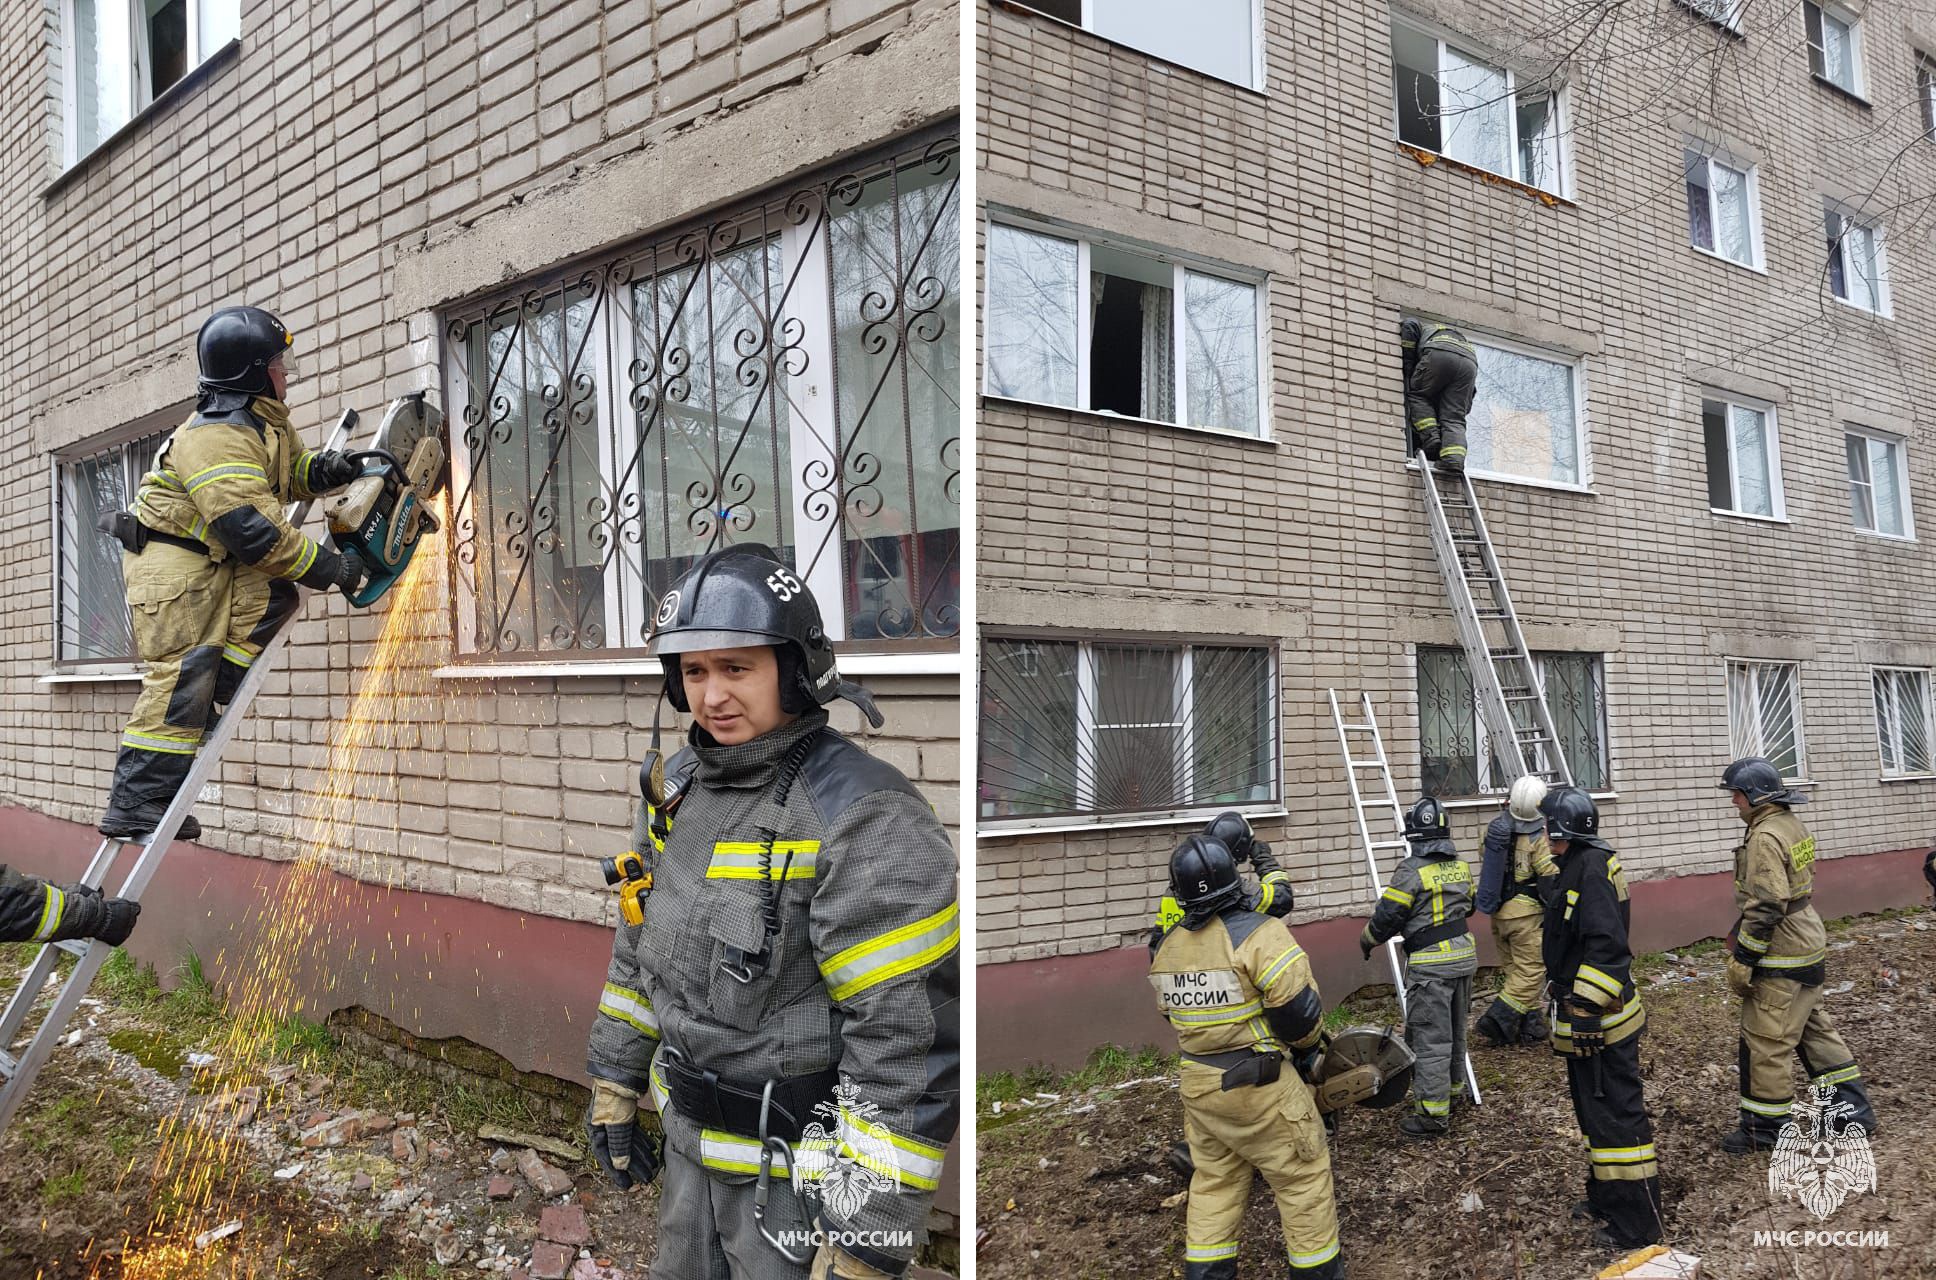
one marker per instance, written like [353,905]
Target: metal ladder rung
[1367,764]
[73,946]
[1390,844]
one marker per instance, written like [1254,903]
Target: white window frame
[1751,178]
[1257,69]
[1582,454]
[1884,302]
[1929,720]
[140,95]
[1901,446]
[1729,20]
[1857,53]
[1087,701]
[1926,92]
[1759,745]
[1182,265]
[148,428]
[1778,492]
[1561,131]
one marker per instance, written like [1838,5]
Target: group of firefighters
[1238,990]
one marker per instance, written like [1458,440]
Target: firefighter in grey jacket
[1426,903]
[35,911]
[790,995]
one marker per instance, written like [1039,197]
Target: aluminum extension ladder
[1512,699]
[1354,740]
[18,1073]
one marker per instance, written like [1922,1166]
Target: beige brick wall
[1318,538]
[358,168]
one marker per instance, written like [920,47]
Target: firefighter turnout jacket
[802,929]
[1589,963]
[33,910]
[1426,903]
[1779,933]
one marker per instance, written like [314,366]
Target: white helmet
[1527,793]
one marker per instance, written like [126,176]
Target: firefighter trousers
[1437,400]
[1782,1017]
[1515,1016]
[706,1227]
[1623,1175]
[1272,1129]
[198,625]
[1435,1012]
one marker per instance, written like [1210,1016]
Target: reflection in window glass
[1031,316]
[1764,714]
[1478,112]
[93,608]
[1903,714]
[104,57]
[1028,728]
[1220,317]
[1525,418]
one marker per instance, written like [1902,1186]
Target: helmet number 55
[783,584]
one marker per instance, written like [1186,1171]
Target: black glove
[628,1152]
[331,469]
[350,573]
[1587,1036]
[117,920]
[1365,945]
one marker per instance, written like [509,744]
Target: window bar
[1085,728]
[1183,713]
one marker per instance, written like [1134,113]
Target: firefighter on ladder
[1598,1020]
[1778,963]
[1238,989]
[790,993]
[210,562]
[1517,854]
[1441,374]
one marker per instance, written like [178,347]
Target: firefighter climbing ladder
[18,1073]
[1371,811]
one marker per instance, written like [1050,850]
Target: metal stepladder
[1368,810]
[18,1073]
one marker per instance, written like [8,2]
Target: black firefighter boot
[1533,1030]
[1501,1025]
[144,784]
[1739,1142]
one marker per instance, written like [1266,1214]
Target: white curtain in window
[1159,353]
[1886,482]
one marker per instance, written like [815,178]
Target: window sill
[174,93]
[1032,12]
[1901,539]
[1104,415]
[1836,89]
[105,675]
[859,664]
[1459,803]
[1880,314]
[1748,515]
[1428,159]
[1907,777]
[1755,267]
[1006,828]
[1526,482]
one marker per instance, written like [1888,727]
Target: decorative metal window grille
[1072,729]
[1456,755]
[1904,712]
[1765,715]
[787,374]
[91,606]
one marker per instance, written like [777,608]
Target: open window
[1743,458]
[1460,104]
[1220,38]
[1857,261]
[1834,46]
[121,55]
[1723,217]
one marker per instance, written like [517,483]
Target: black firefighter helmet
[1203,875]
[742,597]
[1570,814]
[1426,820]
[1233,829]
[1760,781]
[234,349]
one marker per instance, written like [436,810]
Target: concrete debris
[74,1037]
[1840,989]
[537,1142]
[448,1248]
[280,1074]
[331,1133]
[373,1125]
[1471,1203]
[503,1161]
[362,1182]
[596,1269]
[550,1261]
[400,1199]
[289,1171]
[222,1232]
[403,1146]
[547,1180]
[565,1224]
[499,1188]
[441,1152]
[1887,977]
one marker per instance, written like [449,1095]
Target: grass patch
[1107,1065]
[63,1187]
[125,981]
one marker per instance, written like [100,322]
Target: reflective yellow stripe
[1215,1017]
[307,558]
[1426,422]
[51,909]
[1446,952]
[906,949]
[730,1153]
[1210,1252]
[1599,978]
[1317,1258]
[224,470]
[1792,962]
[1399,896]
[1774,1109]
[1620,1155]
[916,1164]
[158,742]
[302,468]
[740,860]
[1431,1108]
[1277,966]
[1840,1076]
[1264,898]
[240,657]
[1511,1003]
[629,1007]
[1750,943]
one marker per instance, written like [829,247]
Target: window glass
[1524,419]
[1211,36]
[104,56]
[1764,714]
[1031,310]
[1220,323]
[1478,111]
[1415,75]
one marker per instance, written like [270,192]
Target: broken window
[91,606]
[1465,106]
[1078,729]
[1743,462]
[1092,325]
[1720,209]
[786,374]
[1903,717]
[123,56]
[1217,37]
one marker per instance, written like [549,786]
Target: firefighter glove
[351,572]
[628,1152]
[1740,977]
[1587,1036]
[1365,944]
[332,469]
[117,920]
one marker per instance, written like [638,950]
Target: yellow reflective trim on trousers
[1432,1108]
[1215,1017]
[1772,1109]
[307,558]
[1512,1004]
[168,746]
[1599,978]
[740,860]
[222,471]
[1452,451]
[1210,1252]
[904,950]
[1317,1258]
[1752,943]
[629,1007]
[52,908]
[1842,1075]
[240,657]
[1621,1155]
[1277,966]
[1425,422]
[1792,962]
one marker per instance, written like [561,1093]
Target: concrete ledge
[1080,615]
[1055,1012]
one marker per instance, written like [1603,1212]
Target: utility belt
[1436,934]
[133,535]
[735,1106]
[1242,1067]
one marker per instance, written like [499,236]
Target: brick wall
[358,167]
[1317,539]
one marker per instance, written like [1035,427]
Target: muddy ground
[1077,1185]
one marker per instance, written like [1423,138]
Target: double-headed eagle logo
[1823,1163]
[860,1163]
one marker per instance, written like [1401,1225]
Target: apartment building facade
[1693,245]
[645,256]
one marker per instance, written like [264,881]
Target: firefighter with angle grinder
[785,983]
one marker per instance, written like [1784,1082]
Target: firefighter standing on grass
[1777,963]
[1517,855]
[1598,1021]
[790,995]
[210,562]
[1426,903]
[1238,989]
